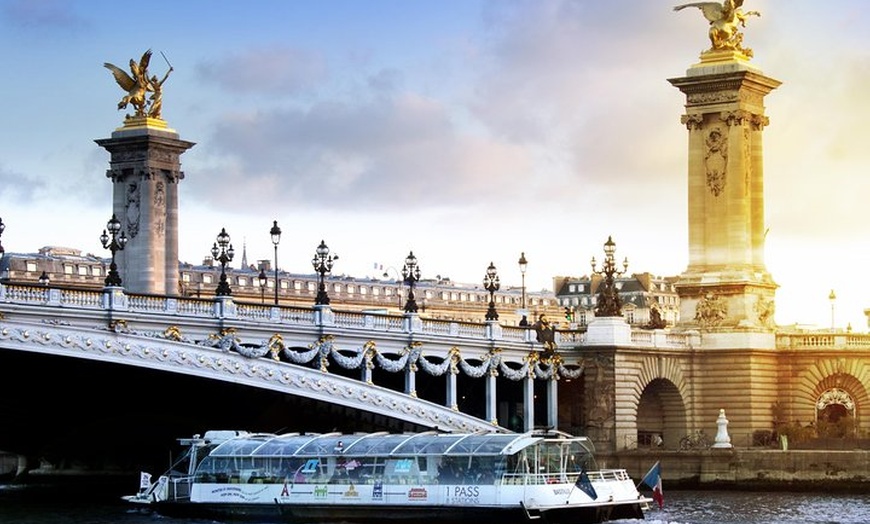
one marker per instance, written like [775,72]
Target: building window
[207,279]
[243,281]
[97,271]
[83,270]
[67,269]
[31,267]
[363,290]
[185,277]
[572,288]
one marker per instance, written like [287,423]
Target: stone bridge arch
[828,383]
[657,396]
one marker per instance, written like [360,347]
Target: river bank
[754,469]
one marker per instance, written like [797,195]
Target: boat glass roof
[380,444]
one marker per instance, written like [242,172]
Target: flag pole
[642,479]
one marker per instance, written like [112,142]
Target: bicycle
[696,440]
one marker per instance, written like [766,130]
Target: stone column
[726,284]
[145,171]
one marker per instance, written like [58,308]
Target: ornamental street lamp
[114,242]
[2,228]
[833,298]
[263,280]
[223,252]
[523,265]
[275,232]
[608,297]
[322,263]
[491,284]
[411,275]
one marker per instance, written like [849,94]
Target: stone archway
[661,414]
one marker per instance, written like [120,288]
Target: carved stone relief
[133,209]
[764,309]
[711,310]
[716,160]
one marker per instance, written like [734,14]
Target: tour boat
[547,477]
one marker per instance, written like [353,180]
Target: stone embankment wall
[751,469]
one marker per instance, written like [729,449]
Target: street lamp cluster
[609,304]
[491,284]
[114,240]
[322,263]
[411,275]
[223,252]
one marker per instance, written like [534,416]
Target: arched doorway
[661,416]
[835,414]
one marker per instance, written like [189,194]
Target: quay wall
[795,470]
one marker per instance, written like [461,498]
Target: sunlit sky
[468,131]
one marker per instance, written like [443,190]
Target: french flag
[653,479]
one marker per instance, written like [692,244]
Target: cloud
[273,70]
[17,188]
[50,14]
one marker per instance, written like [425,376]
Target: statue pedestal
[608,331]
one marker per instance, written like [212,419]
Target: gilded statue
[139,85]
[724,20]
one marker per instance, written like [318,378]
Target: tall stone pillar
[726,287]
[145,171]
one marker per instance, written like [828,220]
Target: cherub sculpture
[139,85]
[724,19]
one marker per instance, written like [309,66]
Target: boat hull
[308,513]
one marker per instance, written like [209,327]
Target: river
[20,505]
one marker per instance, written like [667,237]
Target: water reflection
[28,506]
[730,507]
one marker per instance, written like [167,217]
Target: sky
[466,131]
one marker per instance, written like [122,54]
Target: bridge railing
[115,299]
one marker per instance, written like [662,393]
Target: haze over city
[467,131]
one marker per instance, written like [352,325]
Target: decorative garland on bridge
[536,365]
[320,353]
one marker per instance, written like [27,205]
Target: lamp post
[491,284]
[43,279]
[114,241]
[263,280]
[411,275]
[2,228]
[322,263]
[608,298]
[833,298]
[523,265]
[223,252]
[275,232]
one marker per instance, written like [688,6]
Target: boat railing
[178,489]
[605,475]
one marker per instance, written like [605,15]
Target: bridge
[95,373]
[384,371]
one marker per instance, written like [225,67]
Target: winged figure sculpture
[136,86]
[724,20]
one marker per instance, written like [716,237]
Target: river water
[20,505]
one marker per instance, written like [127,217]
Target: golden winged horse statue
[135,86]
[724,19]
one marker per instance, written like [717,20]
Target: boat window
[382,444]
[492,444]
[430,444]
